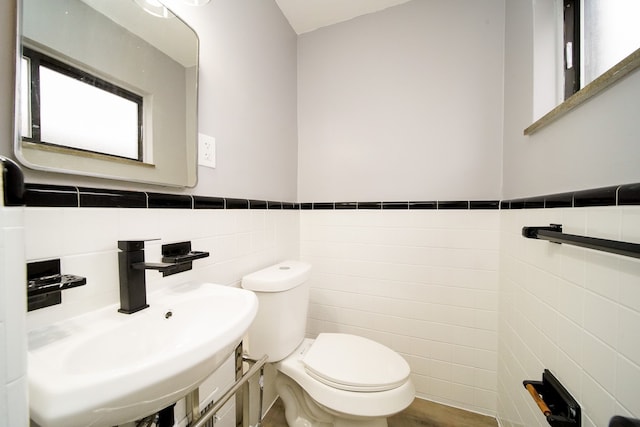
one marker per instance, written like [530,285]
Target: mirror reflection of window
[70,108]
[118,42]
[85,117]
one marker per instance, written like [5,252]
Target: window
[597,35]
[571,47]
[67,107]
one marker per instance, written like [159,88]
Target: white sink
[107,368]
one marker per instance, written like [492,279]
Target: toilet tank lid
[277,278]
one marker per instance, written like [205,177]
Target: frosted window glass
[78,115]
[611,33]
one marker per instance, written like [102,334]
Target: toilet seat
[354,363]
[360,404]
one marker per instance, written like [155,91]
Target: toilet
[335,379]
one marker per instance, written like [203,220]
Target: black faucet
[177,257]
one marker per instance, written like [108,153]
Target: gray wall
[595,145]
[247,97]
[403,104]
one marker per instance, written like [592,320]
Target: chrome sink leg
[192,402]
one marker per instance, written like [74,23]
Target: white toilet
[335,380]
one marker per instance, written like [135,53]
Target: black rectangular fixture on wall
[554,401]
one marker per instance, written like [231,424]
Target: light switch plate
[206,150]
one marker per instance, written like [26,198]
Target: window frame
[572,47]
[35,60]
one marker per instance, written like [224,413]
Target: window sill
[28,145]
[609,78]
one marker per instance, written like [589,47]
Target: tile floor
[421,413]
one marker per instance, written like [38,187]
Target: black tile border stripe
[101,198]
[44,195]
[169,201]
[202,202]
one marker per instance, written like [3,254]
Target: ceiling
[309,15]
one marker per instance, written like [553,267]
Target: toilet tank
[283,296]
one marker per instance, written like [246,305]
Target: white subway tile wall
[85,240]
[436,286]
[424,283]
[13,362]
[571,310]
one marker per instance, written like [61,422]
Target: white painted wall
[247,97]
[593,146]
[403,104]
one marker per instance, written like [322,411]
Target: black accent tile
[605,196]
[323,206]
[43,195]
[484,204]
[534,204]
[237,203]
[561,200]
[346,205]
[453,204]
[104,198]
[306,206]
[12,182]
[517,204]
[290,206]
[202,202]
[275,205]
[395,205]
[169,201]
[423,205]
[257,204]
[505,204]
[526,203]
[369,205]
[629,194]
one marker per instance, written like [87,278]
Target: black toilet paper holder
[554,401]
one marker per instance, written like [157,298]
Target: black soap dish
[555,402]
[181,255]
[45,283]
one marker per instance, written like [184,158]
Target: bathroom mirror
[107,88]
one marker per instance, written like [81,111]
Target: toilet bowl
[335,379]
[354,380]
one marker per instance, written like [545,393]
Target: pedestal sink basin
[107,368]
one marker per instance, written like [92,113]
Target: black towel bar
[554,234]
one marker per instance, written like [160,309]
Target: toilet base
[302,411]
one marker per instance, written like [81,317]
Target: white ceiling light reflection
[196,2]
[155,8]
